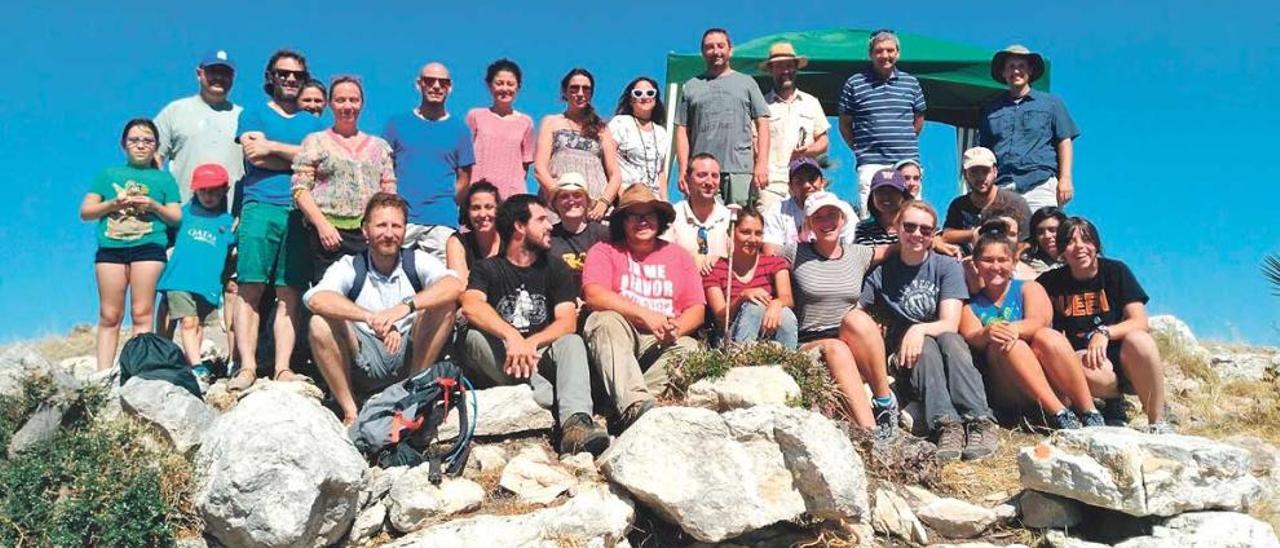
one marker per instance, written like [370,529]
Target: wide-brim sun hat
[784,51]
[1034,59]
[640,195]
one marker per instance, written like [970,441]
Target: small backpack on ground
[361,263]
[150,356]
[398,426]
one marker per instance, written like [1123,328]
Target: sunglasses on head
[428,81]
[924,230]
[703,246]
[299,75]
[644,93]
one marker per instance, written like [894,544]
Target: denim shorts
[132,254]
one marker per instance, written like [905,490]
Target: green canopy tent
[956,78]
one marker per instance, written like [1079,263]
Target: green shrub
[817,390]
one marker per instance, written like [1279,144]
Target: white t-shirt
[792,125]
[194,133]
[684,230]
[380,292]
[642,155]
[784,226]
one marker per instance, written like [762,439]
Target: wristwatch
[408,301]
[1106,331]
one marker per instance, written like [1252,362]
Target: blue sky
[1175,101]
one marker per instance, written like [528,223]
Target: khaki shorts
[184,304]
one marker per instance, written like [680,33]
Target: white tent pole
[673,99]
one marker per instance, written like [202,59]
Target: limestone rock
[1244,365]
[1265,459]
[502,410]
[486,459]
[598,517]
[977,545]
[278,470]
[41,426]
[1045,511]
[1174,330]
[1206,529]
[891,515]
[534,477]
[82,368]
[744,387]
[181,416]
[379,483]
[1059,539]
[20,362]
[1138,473]
[301,388]
[368,523]
[955,518]
[414,502]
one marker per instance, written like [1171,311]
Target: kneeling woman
[1008,322]
[1101,308]
[759,304]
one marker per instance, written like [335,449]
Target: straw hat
[639,195]
[784,51]
[1033,58]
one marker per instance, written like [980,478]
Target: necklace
[650,172]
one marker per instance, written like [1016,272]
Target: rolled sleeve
[1063,126]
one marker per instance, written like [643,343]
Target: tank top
[990,313]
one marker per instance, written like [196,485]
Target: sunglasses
[299,75]
[428,81]
[703,246]
[646,216]
[644,93]
[924,230]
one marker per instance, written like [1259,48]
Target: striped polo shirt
[883,112]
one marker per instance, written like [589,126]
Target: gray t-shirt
[825,289]
[719,113]
[899,295]
[194,133]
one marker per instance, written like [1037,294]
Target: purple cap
[796,165]
[217,57]
[888,177]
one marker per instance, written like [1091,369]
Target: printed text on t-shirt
[648,286]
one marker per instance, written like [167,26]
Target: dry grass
[989,481]
[82,340]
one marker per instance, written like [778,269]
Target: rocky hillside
[735,459]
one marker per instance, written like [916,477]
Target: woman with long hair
[502,136]
[757,304]
[578,141]
[643,142]
[1043,254]
[133,205]
[480,240]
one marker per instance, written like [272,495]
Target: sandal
[293,376]
[242,381]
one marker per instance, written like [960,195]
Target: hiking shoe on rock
[980,439]
[950,440]
[1066,420]
[633,413]
[1161,427]
[1115,412]
[580,433]
[1092,419]
[886,421]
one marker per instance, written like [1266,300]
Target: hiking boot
[1092,419]
[886,421]
[950,439]
[1115,412]
[580,433]
[633,413]
[980,439]
[1066,420]
[1161,427]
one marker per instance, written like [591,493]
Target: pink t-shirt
[503,144]
[666,281]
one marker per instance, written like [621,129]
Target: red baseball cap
[209,176]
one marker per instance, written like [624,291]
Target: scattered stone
[41,426]
[955,518]
[368,523]
[581,465]
[891,515]
[379,484]
[977,545]
[278,470]
[1246,366]
[192,542]
[82,368]
[1045,511]
[219,398]
[918,496]
[744,387]
[1174,330]
[1138,473]
[503,410]
[486,459]
[1005,512]
[182,417]
[1058,539]
[598,517]
[1219,529]
[534,477]
[20,362]
[415,502]
[1266,464]
[301,388]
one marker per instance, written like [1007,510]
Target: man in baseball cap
[784,224]
[1029,131]
[965,212]
[201,128]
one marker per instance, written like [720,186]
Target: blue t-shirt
[428,155]
[204,239]
[266,185]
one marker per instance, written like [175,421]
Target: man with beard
[798,127]
[201,129]
[382,315]
[521,310]
[433,153]
[963,222]
[272,242]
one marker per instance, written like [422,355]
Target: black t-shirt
[525,297]
[1081,306]
[964,214]
[572,248]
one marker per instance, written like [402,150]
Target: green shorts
[183,304]
[272,247]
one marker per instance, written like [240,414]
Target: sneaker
[1093,419]
[1115,412]
[580,433]
[980,439]
[886,421]
[1066,420]
[1161,427]
[950,439]
[633,414]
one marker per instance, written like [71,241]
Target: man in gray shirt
[715,115]
[201,129]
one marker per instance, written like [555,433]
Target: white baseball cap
[821,199]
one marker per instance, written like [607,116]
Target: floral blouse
[343,176]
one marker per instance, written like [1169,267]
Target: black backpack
[397,427]
[150,356]
[361,264]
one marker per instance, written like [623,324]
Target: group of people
[386,253]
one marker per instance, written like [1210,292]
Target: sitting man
[388,312]
[522,316]
[647,299]
[574,235]
[961,226]
[701,226]
[784,224]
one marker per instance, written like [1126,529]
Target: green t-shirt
[128,228]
